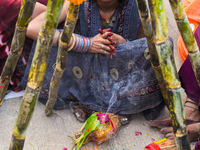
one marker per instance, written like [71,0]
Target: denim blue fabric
[125,84]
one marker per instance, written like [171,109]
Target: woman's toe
[169,136]
[161,123]
[166,130]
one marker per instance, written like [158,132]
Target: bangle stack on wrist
[81,44]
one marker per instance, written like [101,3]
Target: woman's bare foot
[191,113]
[192,130]
[166,122]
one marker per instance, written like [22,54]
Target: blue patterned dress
[125,84]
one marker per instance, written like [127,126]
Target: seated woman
[192,90]
[125,84]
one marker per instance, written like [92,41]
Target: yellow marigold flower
[76,2]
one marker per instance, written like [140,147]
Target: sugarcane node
[196,52]
[174,87]
[72,18]
[59,69]
[178,18]
[145,19]
[65,39]
[16,144]
[51,85]
[45,36]
[48,112]
[32,85]
[18,135]
[1,99]
[156,67]
[181,142]
[4,81]
[160,41]
[73,10]
[150,42]
[20,29]
[64,44]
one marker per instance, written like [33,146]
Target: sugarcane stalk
[37,72]
[187,36]
[145,18]
[169,71]
[70,24]
[17,44]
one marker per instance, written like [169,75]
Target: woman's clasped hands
[105,42]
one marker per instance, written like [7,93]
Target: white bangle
[73,43]
[58,37]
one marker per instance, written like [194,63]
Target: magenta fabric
[8,17]
[187,77]
[43,1]
[197,35]
[197,146]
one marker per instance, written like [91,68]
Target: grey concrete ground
[51,133]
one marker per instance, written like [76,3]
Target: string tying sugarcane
[63,48]
[169,72]
[17,44]
[37,72]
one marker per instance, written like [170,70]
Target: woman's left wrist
[82,44]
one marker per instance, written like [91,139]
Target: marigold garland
[76,2]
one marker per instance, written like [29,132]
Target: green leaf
[91,124]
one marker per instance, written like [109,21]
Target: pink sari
[8,17]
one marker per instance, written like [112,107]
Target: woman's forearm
[35,25]
[34,28]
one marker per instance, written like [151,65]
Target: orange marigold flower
[76,2]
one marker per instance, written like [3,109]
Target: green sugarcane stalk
[37,72]
[17,44]
[70,24]
[169,71]
[145,18]
[187,35]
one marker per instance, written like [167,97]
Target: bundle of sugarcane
[169,72]
[99,127]
[187,36]
[70,23]
[36,74]
[17,44]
